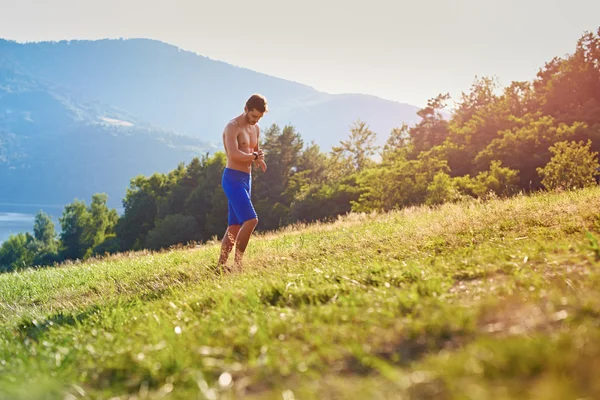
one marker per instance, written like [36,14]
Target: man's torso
[246,139]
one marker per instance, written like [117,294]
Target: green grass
[477,300]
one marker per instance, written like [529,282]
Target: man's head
[256,107]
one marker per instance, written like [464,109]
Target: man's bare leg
[227,244]
[242,241]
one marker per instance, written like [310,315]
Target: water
[19,218]
[13,223]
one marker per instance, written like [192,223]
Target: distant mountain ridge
[196,96]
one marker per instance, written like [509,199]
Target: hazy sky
[407,51]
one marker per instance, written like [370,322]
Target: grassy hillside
[479,300]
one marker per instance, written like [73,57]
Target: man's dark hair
[257,102]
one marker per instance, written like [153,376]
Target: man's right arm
[232,146]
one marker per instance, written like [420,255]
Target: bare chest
[247,139]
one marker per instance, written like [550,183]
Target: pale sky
[406,51]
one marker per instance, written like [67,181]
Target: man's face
[253,116]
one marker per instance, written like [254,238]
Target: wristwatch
[255,155]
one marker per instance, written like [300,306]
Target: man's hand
[261,164]
[260,160]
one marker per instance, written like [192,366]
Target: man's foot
[238,266]
[222,270]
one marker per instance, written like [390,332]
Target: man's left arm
[260,161]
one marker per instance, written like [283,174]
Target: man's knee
[252,222]
[232,231]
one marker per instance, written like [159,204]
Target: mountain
[194,95]
[81,117]
[55,147]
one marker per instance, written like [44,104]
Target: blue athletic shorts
[237,186]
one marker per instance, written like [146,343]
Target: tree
[379,188]
[282,149]
[325,201]
[569,88]
[432,130]
[312,164]
[85,228]
[208,203]
[357,150]
[182,182]
[397,144]
[15,252]
[526,147]
[441,189]
[141,205]
[45,245]
[173,229]
[101,222]
[572,166]
[74,220]
[500,180]
[43,229]
[311,170]
[399,184]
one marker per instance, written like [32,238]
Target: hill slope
[487,300]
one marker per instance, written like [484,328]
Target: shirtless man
[240,139]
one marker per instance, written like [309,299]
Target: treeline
[543,134]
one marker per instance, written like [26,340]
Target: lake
[13,223]
[17,218]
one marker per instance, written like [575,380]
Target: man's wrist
[255,154]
